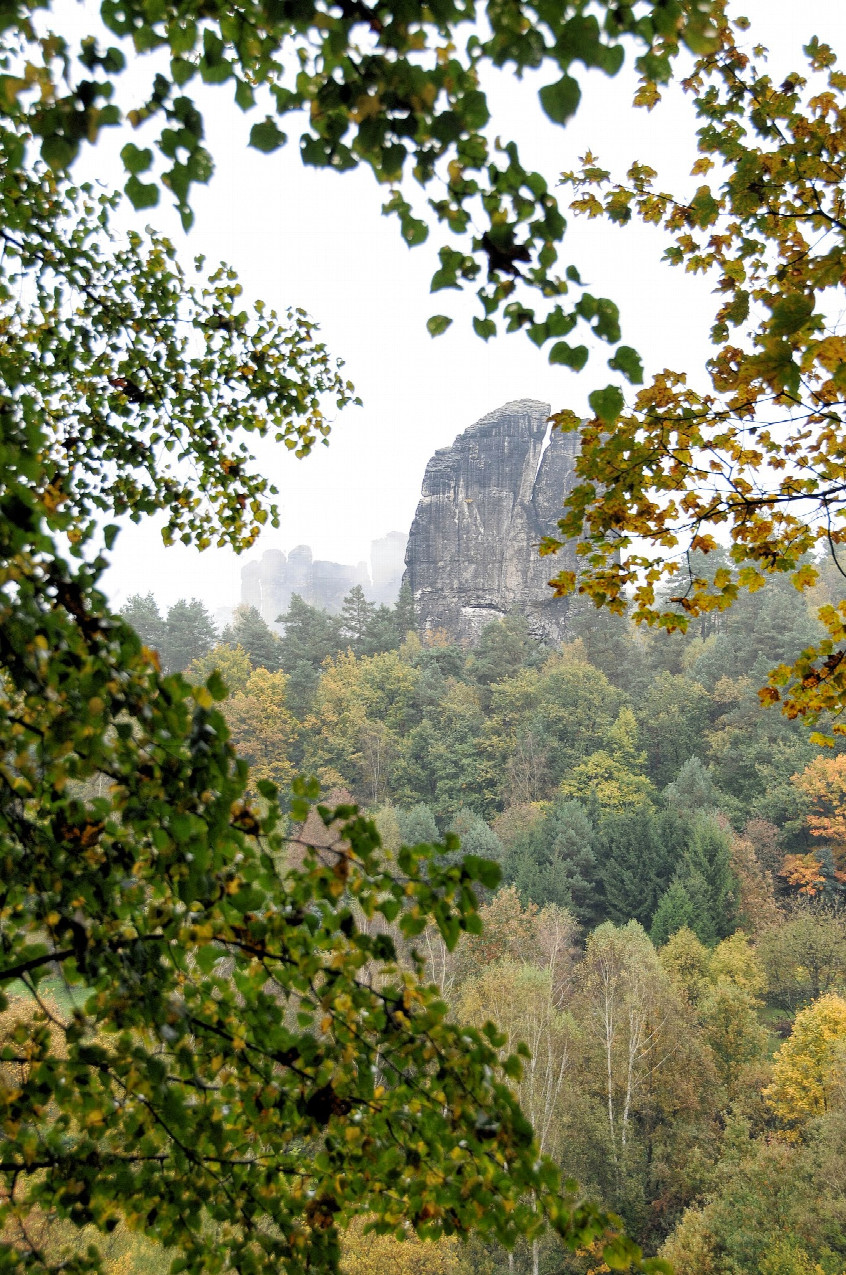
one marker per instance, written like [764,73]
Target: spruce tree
[190,634]
[674,913]
[418,825]
[250,631]
[142,612]
[404,612]
[356,618]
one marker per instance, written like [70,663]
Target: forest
[669,936]
[347,949]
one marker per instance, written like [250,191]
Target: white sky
[316,239]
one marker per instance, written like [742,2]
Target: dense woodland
[669,937]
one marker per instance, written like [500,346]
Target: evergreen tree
[250,631]
[404,612]
[356,618]
[142,612]
[311,636]
[190,634]
[706,873]
[693,788]
[638,850]
[553,862]
[382,633]
[674,913]
[418,825]
[505,647]
[476,837]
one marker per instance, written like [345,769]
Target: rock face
[269,583]
[486,502]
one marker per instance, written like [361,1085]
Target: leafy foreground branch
[755,456]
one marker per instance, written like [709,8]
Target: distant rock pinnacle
[486,502]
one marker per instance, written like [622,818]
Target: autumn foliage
[823,782]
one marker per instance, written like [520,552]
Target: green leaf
[216,686]
[561,100]
[574,356]
[791,314]
[483,870]
[628,361]
[267,136]
[142,194]
[485,328]
[607,404]
[414,232]
[437,324]
[110,534]
[136,160]
[57,152]
[244,95]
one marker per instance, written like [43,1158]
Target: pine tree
[142,612]
[311,636]
[674,913]
[418,825]
[190,634]
[693,788]
[404,612]
[356,617]
[250,631]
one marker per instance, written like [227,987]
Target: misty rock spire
[486,502]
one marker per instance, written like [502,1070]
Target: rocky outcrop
[269,583]
[486,502]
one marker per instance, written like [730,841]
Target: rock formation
[486,502]
[269,583]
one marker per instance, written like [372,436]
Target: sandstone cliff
[486,502]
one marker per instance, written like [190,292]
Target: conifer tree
[144,616]
[250,631]
[356,617]
[189,635]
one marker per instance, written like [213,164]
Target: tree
[673,913]
[404,612]
[231,662]
[262,728]
[551,860]
[737,1039]
[686,960]
[630,1015]
[189,635]
[673,716]
[520,999]
[638,852]
[687,458]
[311,636]
[503,649]
[756,905]
[356,618]
[693,788]
[249,631]
[805,957]
[418,825]
[807,1070]
[144,616]
[823,781]
[363,1253]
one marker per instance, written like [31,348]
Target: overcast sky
[316,239]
